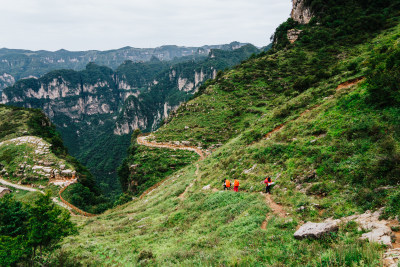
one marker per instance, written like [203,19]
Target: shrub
[393,206]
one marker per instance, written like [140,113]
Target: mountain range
[97,109]
[16,64]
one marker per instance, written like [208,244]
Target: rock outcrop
[317,230]
[300,12]
[378,230]
[293,35]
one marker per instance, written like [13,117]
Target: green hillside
[319,115]
[30,147]
[96,109]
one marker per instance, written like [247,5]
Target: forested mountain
[97,109]
[16,64]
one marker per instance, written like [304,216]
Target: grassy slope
[18,122]
[153,165]
[321,159]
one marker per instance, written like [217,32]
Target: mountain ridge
[16,64]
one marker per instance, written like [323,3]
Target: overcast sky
[109,24]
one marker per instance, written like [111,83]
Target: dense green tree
[48,224]
[13,230]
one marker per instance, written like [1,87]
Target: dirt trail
[182,196]
[63,203]
[31,189]
[350,83]
[276,209]
[142,140]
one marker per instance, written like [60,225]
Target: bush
[383,83]
[393,206]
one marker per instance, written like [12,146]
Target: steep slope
[96,109]
[303,114]
[16,64]
[32,154]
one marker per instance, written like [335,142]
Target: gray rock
[292,36]
[316,230]
[207,187]
[300,12]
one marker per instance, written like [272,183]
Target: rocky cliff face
[16,64]
[300,12]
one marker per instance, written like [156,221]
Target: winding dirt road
[63,203]
[31,189]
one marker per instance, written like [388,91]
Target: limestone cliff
[300,12]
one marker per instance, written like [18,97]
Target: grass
[207,228]
[326,163]
[13,156]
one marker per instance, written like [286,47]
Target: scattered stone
[391,257]
[207,187]
[66,172]
[301,209]
[250,170]
[47,169]
[36,167]
[316,230]
[379,232]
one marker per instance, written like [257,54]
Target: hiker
[268,183]
[227,184]
[236,185]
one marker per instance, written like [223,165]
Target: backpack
[236,183]
[269,180]
[228,183]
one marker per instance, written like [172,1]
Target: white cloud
[108,24]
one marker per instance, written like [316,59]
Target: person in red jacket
[268,183]
[236,185]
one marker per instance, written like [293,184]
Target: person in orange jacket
[227,184]
[236,185]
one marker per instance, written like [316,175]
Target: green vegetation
[335,151]
[28,233]
[145,167]
[97,100]
[207,228]
[337,154]
[25,63]
[19,122]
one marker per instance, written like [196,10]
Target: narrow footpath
[31,189]
[276,208]
[63,203]
[142,140]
